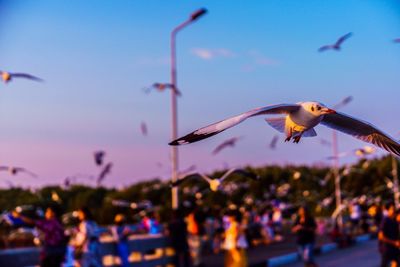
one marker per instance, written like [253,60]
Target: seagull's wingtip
[178,142]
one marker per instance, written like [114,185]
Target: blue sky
[96,56]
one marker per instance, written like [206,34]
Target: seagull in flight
[231,142]
[143,128]
[336,46]
[162,87]
[98,157]
[359,152]
[215,184]
[299,120]
[8,76]
[16,170]
[397,40]
[274,141]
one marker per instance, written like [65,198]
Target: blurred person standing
[54,242]
[120,232]
[177,232]
[234,244]
[355,217]
[195,231]
[389,239]
[150,224]
[277,221]
[305,228]
[86,242]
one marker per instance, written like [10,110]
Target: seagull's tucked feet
[288,138]
[296,139]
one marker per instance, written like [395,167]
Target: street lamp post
[174,149]
[338,192]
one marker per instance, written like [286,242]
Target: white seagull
[8,76]
[300,120]
[215,184]
[15,170]
[336,46]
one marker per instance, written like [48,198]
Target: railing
[145,251]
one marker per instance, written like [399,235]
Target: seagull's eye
[319,107]
[312,109]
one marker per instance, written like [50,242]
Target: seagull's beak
[328,111]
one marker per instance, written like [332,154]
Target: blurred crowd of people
[198,232]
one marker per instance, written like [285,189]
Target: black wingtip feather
[191,138]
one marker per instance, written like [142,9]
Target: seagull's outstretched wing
[190,176]
[343,38]
[32,174]
[361,130]
[241,172]
[27,76]
[324,48]
[106,170]
[4,168]
[218,127]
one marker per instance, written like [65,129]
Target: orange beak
[329,111]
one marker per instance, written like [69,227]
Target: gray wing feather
[362,130]
[221,126]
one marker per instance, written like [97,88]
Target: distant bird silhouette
[359,152]
[397,40]
[106,170]
[162,87]
[274,141]
[67,181]
[231,142]
[99,157]
[9,76]
[143,128]
[336,46]
[215,184]
[16,170]
[325,142]
[343,103]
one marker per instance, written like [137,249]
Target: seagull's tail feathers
[277,123]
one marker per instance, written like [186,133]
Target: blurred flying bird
[143,128]
[16,170]
[106,170]
[162,87]
[397,40]
[274,141]
[336,46]
[8,76]
[215,184]
[359,152]
[98,157]
[343,103]
[325,142]
[300,120]
[227,143]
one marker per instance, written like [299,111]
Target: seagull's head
[317,109]
[5,76]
